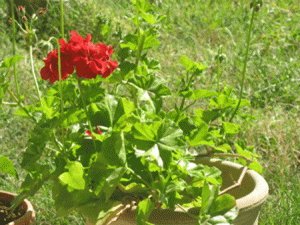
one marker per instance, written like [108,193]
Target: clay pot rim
[260,191]
[30,213]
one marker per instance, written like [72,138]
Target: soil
[6,215]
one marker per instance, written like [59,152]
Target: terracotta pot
[26,208]
[250,197]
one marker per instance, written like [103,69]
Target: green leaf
[130,41]
[21,111]
[103,113]
[150,42]
[8,62]
[50,106]
[73,178]
[149,18]
[73,116]
[144,211]
[158,138]
[208,195]
[222,203]
[132,188]
[197,94]
[256,167]
[244,102]
[187,63]
[124,107]
[199,135]
[112,181]
[253,165]
[208,115]
[190,65]
[225,219]
[113,150]
[6,166]
[222,101]
[224,148]
[187,125]
[230,128]
[146,132]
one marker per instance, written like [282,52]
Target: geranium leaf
[150,42]
[21,112]
[253,165]
[130,41]
[124,107]
[50,106]
[208,115]
[222,203]
[8,62]
[6,166]
[230,128]
[199,135]
[149,18]
[132,188]
[225,219]
[73,178]
[113,150]
[186,62]
[144,211]
[145,132]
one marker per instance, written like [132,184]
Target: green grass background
[194,28]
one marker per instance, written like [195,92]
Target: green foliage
[138,134]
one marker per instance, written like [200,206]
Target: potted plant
[115,150]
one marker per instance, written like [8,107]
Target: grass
[195,29]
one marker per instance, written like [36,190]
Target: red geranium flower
[50,70]
[90,59]
[89,132]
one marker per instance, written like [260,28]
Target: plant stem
[239,182]
[85,110]
[61,91]
[191,215]
[14,47]
[33,73]
[21,105]
[218,67]
[20,198]
[62,19]
[245,63]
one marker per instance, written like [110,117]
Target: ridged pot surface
[250,197]
[26,208]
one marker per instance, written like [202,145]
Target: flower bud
[257,6]
[10,21]
[21,11]
[42,11]
[24,18]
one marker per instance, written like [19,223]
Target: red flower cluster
[80,53]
